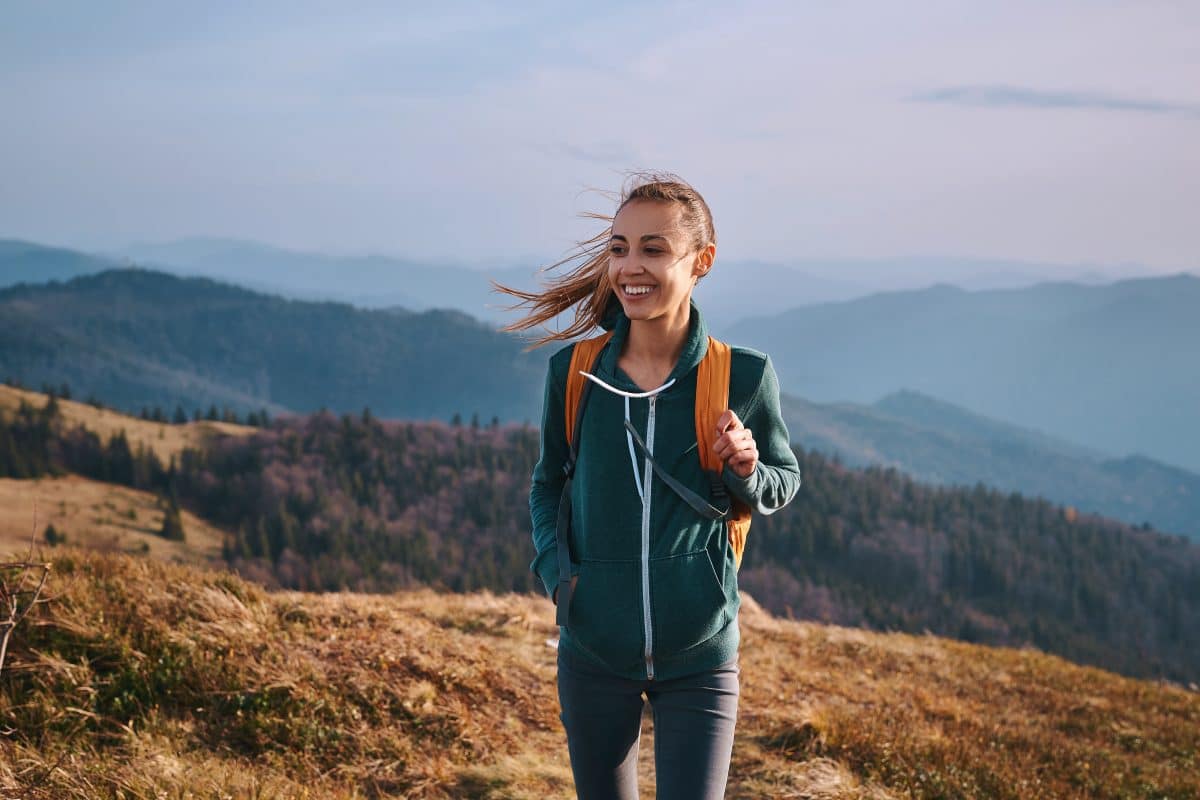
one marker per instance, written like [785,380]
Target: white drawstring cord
[615,390]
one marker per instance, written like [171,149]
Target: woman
[652,591]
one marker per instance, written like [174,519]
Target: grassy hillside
[166,440]
[145,680]
[101,516]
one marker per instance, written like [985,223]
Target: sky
[478,132]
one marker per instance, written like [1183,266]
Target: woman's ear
[704,261]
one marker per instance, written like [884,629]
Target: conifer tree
[172,526]
[53,537]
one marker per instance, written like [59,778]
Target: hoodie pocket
[606,613]
[689,604]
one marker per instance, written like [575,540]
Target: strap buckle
[719,493]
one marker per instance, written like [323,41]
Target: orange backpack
[712,398]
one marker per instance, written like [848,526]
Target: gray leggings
[694,717]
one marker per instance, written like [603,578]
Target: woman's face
[651,264]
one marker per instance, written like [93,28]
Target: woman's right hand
[574,580]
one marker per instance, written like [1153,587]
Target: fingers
[727,420]
[733,441]
[735,444]
[745,460]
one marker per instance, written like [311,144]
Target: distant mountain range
[135,338]
[735,289]
[1114,366]
[26,262]
[936,442]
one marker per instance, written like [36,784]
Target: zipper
[647,473]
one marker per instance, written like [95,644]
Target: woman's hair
[586,286]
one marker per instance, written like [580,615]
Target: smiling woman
[671,218]
[644,571]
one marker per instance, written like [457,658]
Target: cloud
[604,153]
[1022,97]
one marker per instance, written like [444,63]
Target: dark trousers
[694,717]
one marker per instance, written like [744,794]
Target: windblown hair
[586,287]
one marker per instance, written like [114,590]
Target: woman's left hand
[735,444]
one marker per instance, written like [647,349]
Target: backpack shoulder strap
[712,398]
[583,357]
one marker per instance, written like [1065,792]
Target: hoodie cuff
[546,567]
[746,489]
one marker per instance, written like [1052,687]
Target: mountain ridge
[1109,366]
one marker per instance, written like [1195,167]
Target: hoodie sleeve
[776,477]
[546,486]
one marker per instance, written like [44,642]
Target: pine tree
[53,537]
[172,526]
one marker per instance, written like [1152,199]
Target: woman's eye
[653,250]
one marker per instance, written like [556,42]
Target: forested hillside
[134,338]
[940,443]
[352,501]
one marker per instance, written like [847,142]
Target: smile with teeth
[637,290]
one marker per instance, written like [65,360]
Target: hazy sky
[1064,132]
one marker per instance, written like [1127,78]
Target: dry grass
[101,516]
[164,439]
[151,680]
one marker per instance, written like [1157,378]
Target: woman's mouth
[636,291]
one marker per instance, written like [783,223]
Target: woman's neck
[654,345]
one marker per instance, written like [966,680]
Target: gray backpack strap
[701,506]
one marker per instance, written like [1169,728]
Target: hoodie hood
[694,347]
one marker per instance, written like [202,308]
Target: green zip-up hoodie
[657,590]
